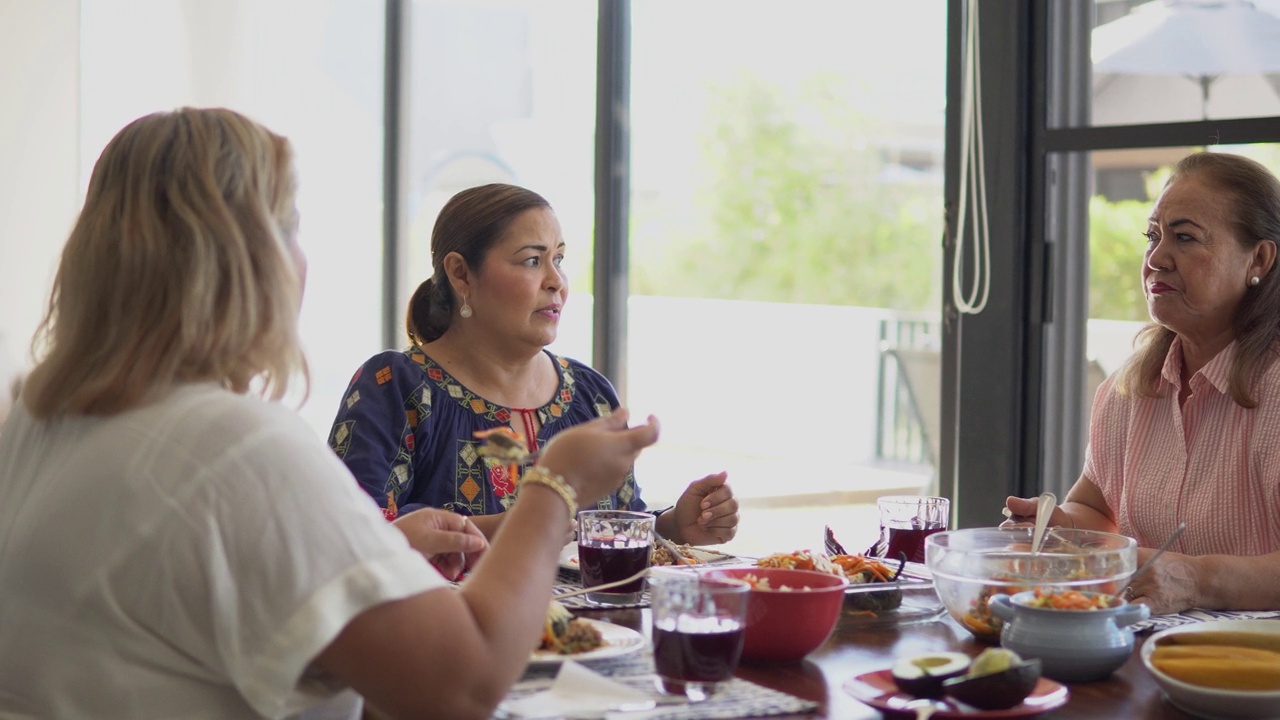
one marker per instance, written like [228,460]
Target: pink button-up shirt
[1211,462]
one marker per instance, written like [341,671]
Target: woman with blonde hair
[173,542]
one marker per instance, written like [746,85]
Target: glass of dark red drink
[906,520]
[614,545]
[698,627]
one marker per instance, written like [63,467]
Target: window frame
[994,441]
[1014,438]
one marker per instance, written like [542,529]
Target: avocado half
[923,675]
[996,682]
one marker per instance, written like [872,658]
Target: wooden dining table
[855,648]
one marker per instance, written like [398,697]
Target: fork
[676,557]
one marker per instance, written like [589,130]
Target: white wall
[75,71]
[39,160]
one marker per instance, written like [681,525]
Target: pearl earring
[1253,281]
[465,310]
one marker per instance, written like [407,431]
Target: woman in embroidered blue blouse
[479,327]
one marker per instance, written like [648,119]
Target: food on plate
[662,556]
[1224,667]
[859,569]
[762,583]
[1072,600]
[998,679]
[862,571]
[1262,640]
[566,635]
[800,560]
[922,675]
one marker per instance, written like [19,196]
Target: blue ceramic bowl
[1072,645]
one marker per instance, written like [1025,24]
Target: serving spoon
[1048,501]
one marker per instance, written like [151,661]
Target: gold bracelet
[539,475]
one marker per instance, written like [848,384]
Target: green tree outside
[1116,248]
[796,210]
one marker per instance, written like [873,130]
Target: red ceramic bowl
[786,625]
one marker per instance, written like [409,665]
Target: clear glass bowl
[971,565]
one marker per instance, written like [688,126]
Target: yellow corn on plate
[1214,652]
[1265,641]
[1221,673]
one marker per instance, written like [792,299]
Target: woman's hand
[1085,508]
[450,542]
[1022,512]
[706,514]
[1171,584]
[594,457]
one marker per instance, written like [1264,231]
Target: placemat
[1164,622]
[736,698]
[580,602]
[568,581]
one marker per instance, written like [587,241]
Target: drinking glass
[613,545]
[906,520]
[698,627]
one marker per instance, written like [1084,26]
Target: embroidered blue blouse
[406,430]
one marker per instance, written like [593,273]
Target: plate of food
[695,555]
[582,639]
[878,592]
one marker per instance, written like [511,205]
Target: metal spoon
[1159,551]
[1048,501]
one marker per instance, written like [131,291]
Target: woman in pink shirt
[1187,429]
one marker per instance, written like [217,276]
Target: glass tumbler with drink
[698,628]
[614,545]
[906,520]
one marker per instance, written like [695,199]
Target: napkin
[579,692]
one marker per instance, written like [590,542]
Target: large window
[1159,62]
[1134,86]
[789,168]
[786,189]
[502,91]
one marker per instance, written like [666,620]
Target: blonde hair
[1254,196]
[179,269]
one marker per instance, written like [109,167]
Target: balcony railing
[906,391]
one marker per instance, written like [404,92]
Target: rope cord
[973,180]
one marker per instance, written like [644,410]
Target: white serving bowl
[1213,703]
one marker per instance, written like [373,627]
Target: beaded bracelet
[539,475]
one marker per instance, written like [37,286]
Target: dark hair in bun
[469,224]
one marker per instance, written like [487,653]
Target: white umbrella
[1187,59]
